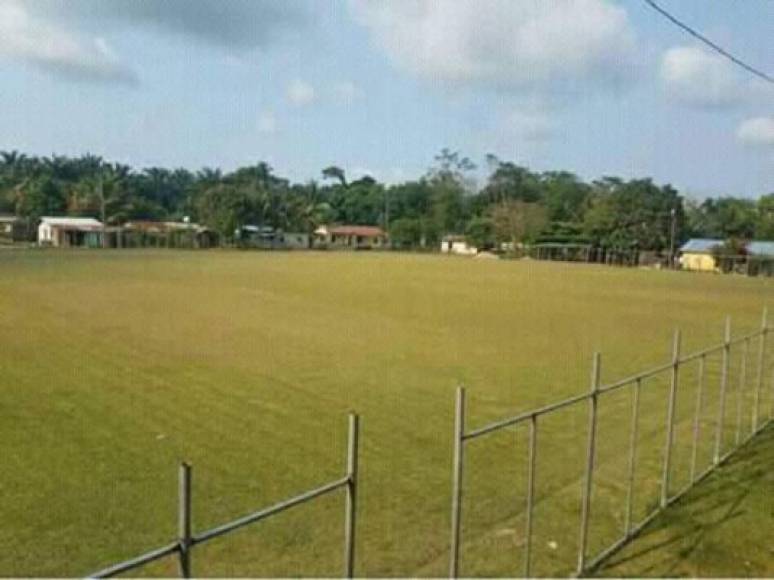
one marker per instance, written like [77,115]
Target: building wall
[296,240]
[458,247]
[698,262]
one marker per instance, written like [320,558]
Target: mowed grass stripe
[247,363]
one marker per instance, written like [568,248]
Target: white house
[457,245]
[70,232]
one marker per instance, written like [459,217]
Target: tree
[633,214]
[509,182]
[336,173]
[311,210]
[517,221]
[725,217]
[406,232]
[764,226]
[448,182]
[480,233]
[225,208]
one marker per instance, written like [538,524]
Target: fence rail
[187,540]
[585,562]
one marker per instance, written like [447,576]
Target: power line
[709,43]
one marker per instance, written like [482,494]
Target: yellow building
[696,255]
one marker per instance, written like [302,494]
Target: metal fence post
[761,366]
[740,390]
[590,453]
[723,385]
[670,427]
[456,523]
[632,456]
[697,417]
[184,519]
[530,494]
[351,504]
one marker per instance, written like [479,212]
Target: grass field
[114,366]
[720,529]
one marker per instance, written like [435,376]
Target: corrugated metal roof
[700,245]
[755,248]
[75,222]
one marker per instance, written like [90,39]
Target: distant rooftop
[755,248]
[73,222]
[700,245]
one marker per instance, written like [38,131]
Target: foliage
[480,233]
[518,221]
[521,204]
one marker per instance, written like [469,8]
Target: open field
[116,365]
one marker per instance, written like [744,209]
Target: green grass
[722,528]
[114,366]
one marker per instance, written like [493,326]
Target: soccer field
[116,365]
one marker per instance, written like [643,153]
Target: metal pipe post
[740,391]
[632,456]
[670,427]
[456,519]
[351,504]
[590,455]
[530,494]
[184,519]
[723,385]
[761,367]
[697,417]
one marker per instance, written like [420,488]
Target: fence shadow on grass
[672,542]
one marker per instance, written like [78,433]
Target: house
[11,228]
[696,254]
[253,236]
[296,240]
[760,250]
[269,238]
[148,233]
[457,245]
[70,232]
[760,258]
[349,236]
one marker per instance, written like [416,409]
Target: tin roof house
[70,232]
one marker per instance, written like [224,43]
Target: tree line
[514,204]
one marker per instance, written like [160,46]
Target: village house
[11,228]
[696,255]
[457,245]
[353,237]
[148,233]
[70,232]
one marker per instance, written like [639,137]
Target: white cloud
[301,93]
[506,44]
[695,76]
[267,123]
[33,41]
[68,38]
[757,131]
[347,92]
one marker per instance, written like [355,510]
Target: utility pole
[672,235]
[102,210]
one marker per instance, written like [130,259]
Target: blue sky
[592,86]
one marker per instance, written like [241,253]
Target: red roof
[365,231]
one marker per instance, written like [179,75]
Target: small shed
[696,254]
[457,245]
